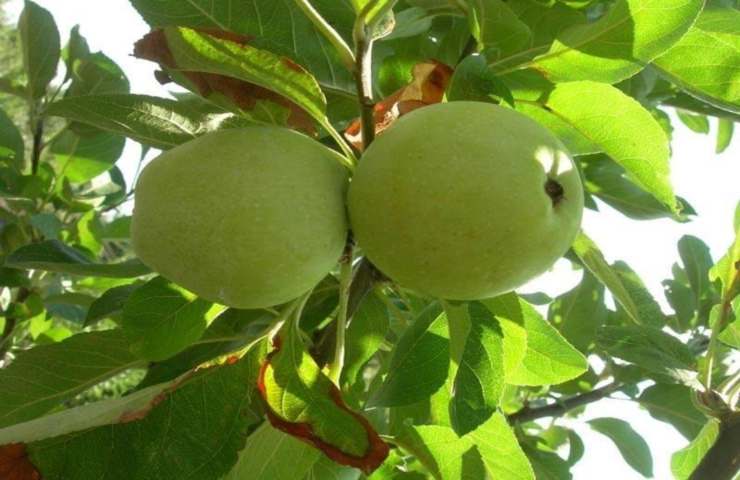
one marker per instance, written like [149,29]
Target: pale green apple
[247,217]
[465,200]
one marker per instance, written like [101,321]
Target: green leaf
[706,61]
[40,45]
[696,123]
[83,157]
[55,256]
[194,51]
[547,465]
[109,304]
[271,454]
[578,313]
[725,130]
[479,382]
[608,181]
[230,332]
[731,334]
[43,377]
[497,28]
[634,449]
[75,50]
[298,394]
[618,45]
[594,260]
[365,334]
[11,141]
[158,122]
[419,363]
[697,261]
[672,403]
[276,26]
[473,80]
[649,348]
[442,452]
[727,269]
[622,128]
[500,450]
[647,308]
[547,359]
[685,461]
[545,22]
[193,431]
[48,224]
[97,74]
[162,319]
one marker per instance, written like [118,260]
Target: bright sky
[708,181]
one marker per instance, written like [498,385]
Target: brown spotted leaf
[223,68]
[304,403]
[15,465]
[430,80]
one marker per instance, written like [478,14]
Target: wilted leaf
[222,65]
[430,80]
[304,403]
[14,463]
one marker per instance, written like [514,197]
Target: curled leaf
[15,465]
[303,402]
[430,80]
[222,89]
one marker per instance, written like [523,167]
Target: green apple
[465,200]
[247,217]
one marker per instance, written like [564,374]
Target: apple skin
[248,217]
[451,201]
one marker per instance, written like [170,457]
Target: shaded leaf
[647,308]
[109,304]
[41,378]
[365,334]
[158,122]
[474,80]
[161,319]
[40,44]
[497,28]
[672,403]
[11,141]
[594,260]
[84,157]
[634,449]
[479,382]
[419,363]
[578,313]
[196,430]
[55,256]
[650,348]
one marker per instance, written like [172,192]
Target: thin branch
[38,145]
[527,414]
[345,281]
